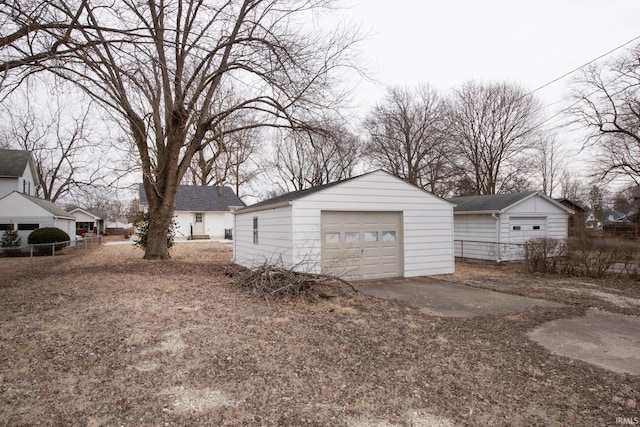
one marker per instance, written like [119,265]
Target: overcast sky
[446,43]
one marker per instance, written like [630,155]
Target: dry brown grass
[110,339]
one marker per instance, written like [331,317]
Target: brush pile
[270,280]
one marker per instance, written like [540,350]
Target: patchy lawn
[110,339]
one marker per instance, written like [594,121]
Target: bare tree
[405,137]
[549,163]
[66,158]
[227,158]
[159,66]
[608,104]
[572,187]
[305,159]
[34,32]
[491,126]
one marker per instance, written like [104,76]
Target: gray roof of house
[489,202]
[13,162]
[49,206]
[197,198]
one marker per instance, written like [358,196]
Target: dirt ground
[109,339]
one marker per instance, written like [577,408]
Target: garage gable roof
[294,195]
[199,198]
[497,203]
[44,204]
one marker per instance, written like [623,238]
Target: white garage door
[523,229]
[362,245]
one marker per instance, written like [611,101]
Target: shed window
[199,217]
[28,227]
[536,227]
[255,230]
[516,228]
[4,227]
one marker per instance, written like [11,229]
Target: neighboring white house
[27,213]
[495,227]
[371,226]
[88,222]
[202,212]
[20,209]
[17,172]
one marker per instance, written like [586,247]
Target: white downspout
[497,218]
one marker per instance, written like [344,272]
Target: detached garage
[495,227]
[372,226]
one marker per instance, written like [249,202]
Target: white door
[198,224]
[362,245]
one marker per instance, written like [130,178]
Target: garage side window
[255,230]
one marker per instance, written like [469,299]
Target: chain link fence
[39,258]
[489,251]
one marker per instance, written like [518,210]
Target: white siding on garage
[507,243]
[470,231]
[274,237]
[427,221]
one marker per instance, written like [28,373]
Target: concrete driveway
[446,299]
[607,340]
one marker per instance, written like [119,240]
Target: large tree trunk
[158,231]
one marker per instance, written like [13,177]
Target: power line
[583,65]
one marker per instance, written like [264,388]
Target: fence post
[461,248]
[31,260]
[53,254]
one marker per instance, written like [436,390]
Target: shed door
[523,229]
[362,245]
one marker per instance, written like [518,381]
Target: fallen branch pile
[272,280]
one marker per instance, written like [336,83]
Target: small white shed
[372,226]
[495,227]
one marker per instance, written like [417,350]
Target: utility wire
[565,109]
[583,65]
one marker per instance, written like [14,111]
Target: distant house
[494,227]
[89,222]
[202,212]
[20,209]
[578,220]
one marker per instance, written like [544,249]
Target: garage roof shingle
[489,202]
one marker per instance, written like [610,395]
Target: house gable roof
[44,204]
[497,203]
[295,195]
[14,162]
[572,205]
[198,198]
[87,213]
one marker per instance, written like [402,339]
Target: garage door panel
[369,244]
